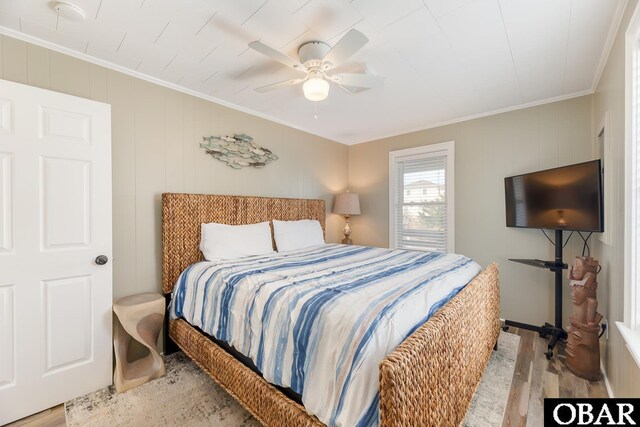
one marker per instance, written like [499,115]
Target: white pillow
[222,241]
[292,235]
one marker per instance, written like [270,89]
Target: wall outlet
[605,323]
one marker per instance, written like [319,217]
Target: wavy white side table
[140,317]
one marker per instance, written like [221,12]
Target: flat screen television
[566,198]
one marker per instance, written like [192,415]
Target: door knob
[101,259]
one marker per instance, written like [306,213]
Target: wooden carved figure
[581,266]
[583,349]
[583,297]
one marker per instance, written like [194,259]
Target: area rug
[490,399]
[187,396]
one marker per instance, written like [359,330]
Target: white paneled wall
[623,373]
[156,132]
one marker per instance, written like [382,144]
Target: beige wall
[486,150]
[623,373]
[156,132]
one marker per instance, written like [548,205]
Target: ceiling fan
[317,59]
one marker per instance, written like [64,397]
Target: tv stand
[550,265]
[555,331]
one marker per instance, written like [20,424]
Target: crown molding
[349,141]
[119,68]
[481,115]
[608,44]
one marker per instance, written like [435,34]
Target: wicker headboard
[182,215]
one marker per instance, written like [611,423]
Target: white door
[55,219]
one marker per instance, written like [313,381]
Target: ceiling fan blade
[279,85]
[346,47]
[366,81]
[349,89]
[276,55]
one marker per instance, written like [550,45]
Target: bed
[428,379]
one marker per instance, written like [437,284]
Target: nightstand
[140,317]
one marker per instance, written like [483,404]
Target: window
[630,328]
[422,219]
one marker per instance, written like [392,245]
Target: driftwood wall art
[237,151]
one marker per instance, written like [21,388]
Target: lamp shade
[316,89]
[347,204]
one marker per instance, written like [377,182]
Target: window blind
[421,203]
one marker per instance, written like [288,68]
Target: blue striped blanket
[320,320]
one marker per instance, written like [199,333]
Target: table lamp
[347,204]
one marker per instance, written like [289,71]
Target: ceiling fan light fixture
[315,59]
[316,89]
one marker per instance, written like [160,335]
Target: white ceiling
[444,60]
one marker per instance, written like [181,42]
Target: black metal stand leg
[551,346]
[554,331]
[545,331]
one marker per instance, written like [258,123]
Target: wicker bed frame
[427,381]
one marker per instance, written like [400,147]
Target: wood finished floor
[534,378]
